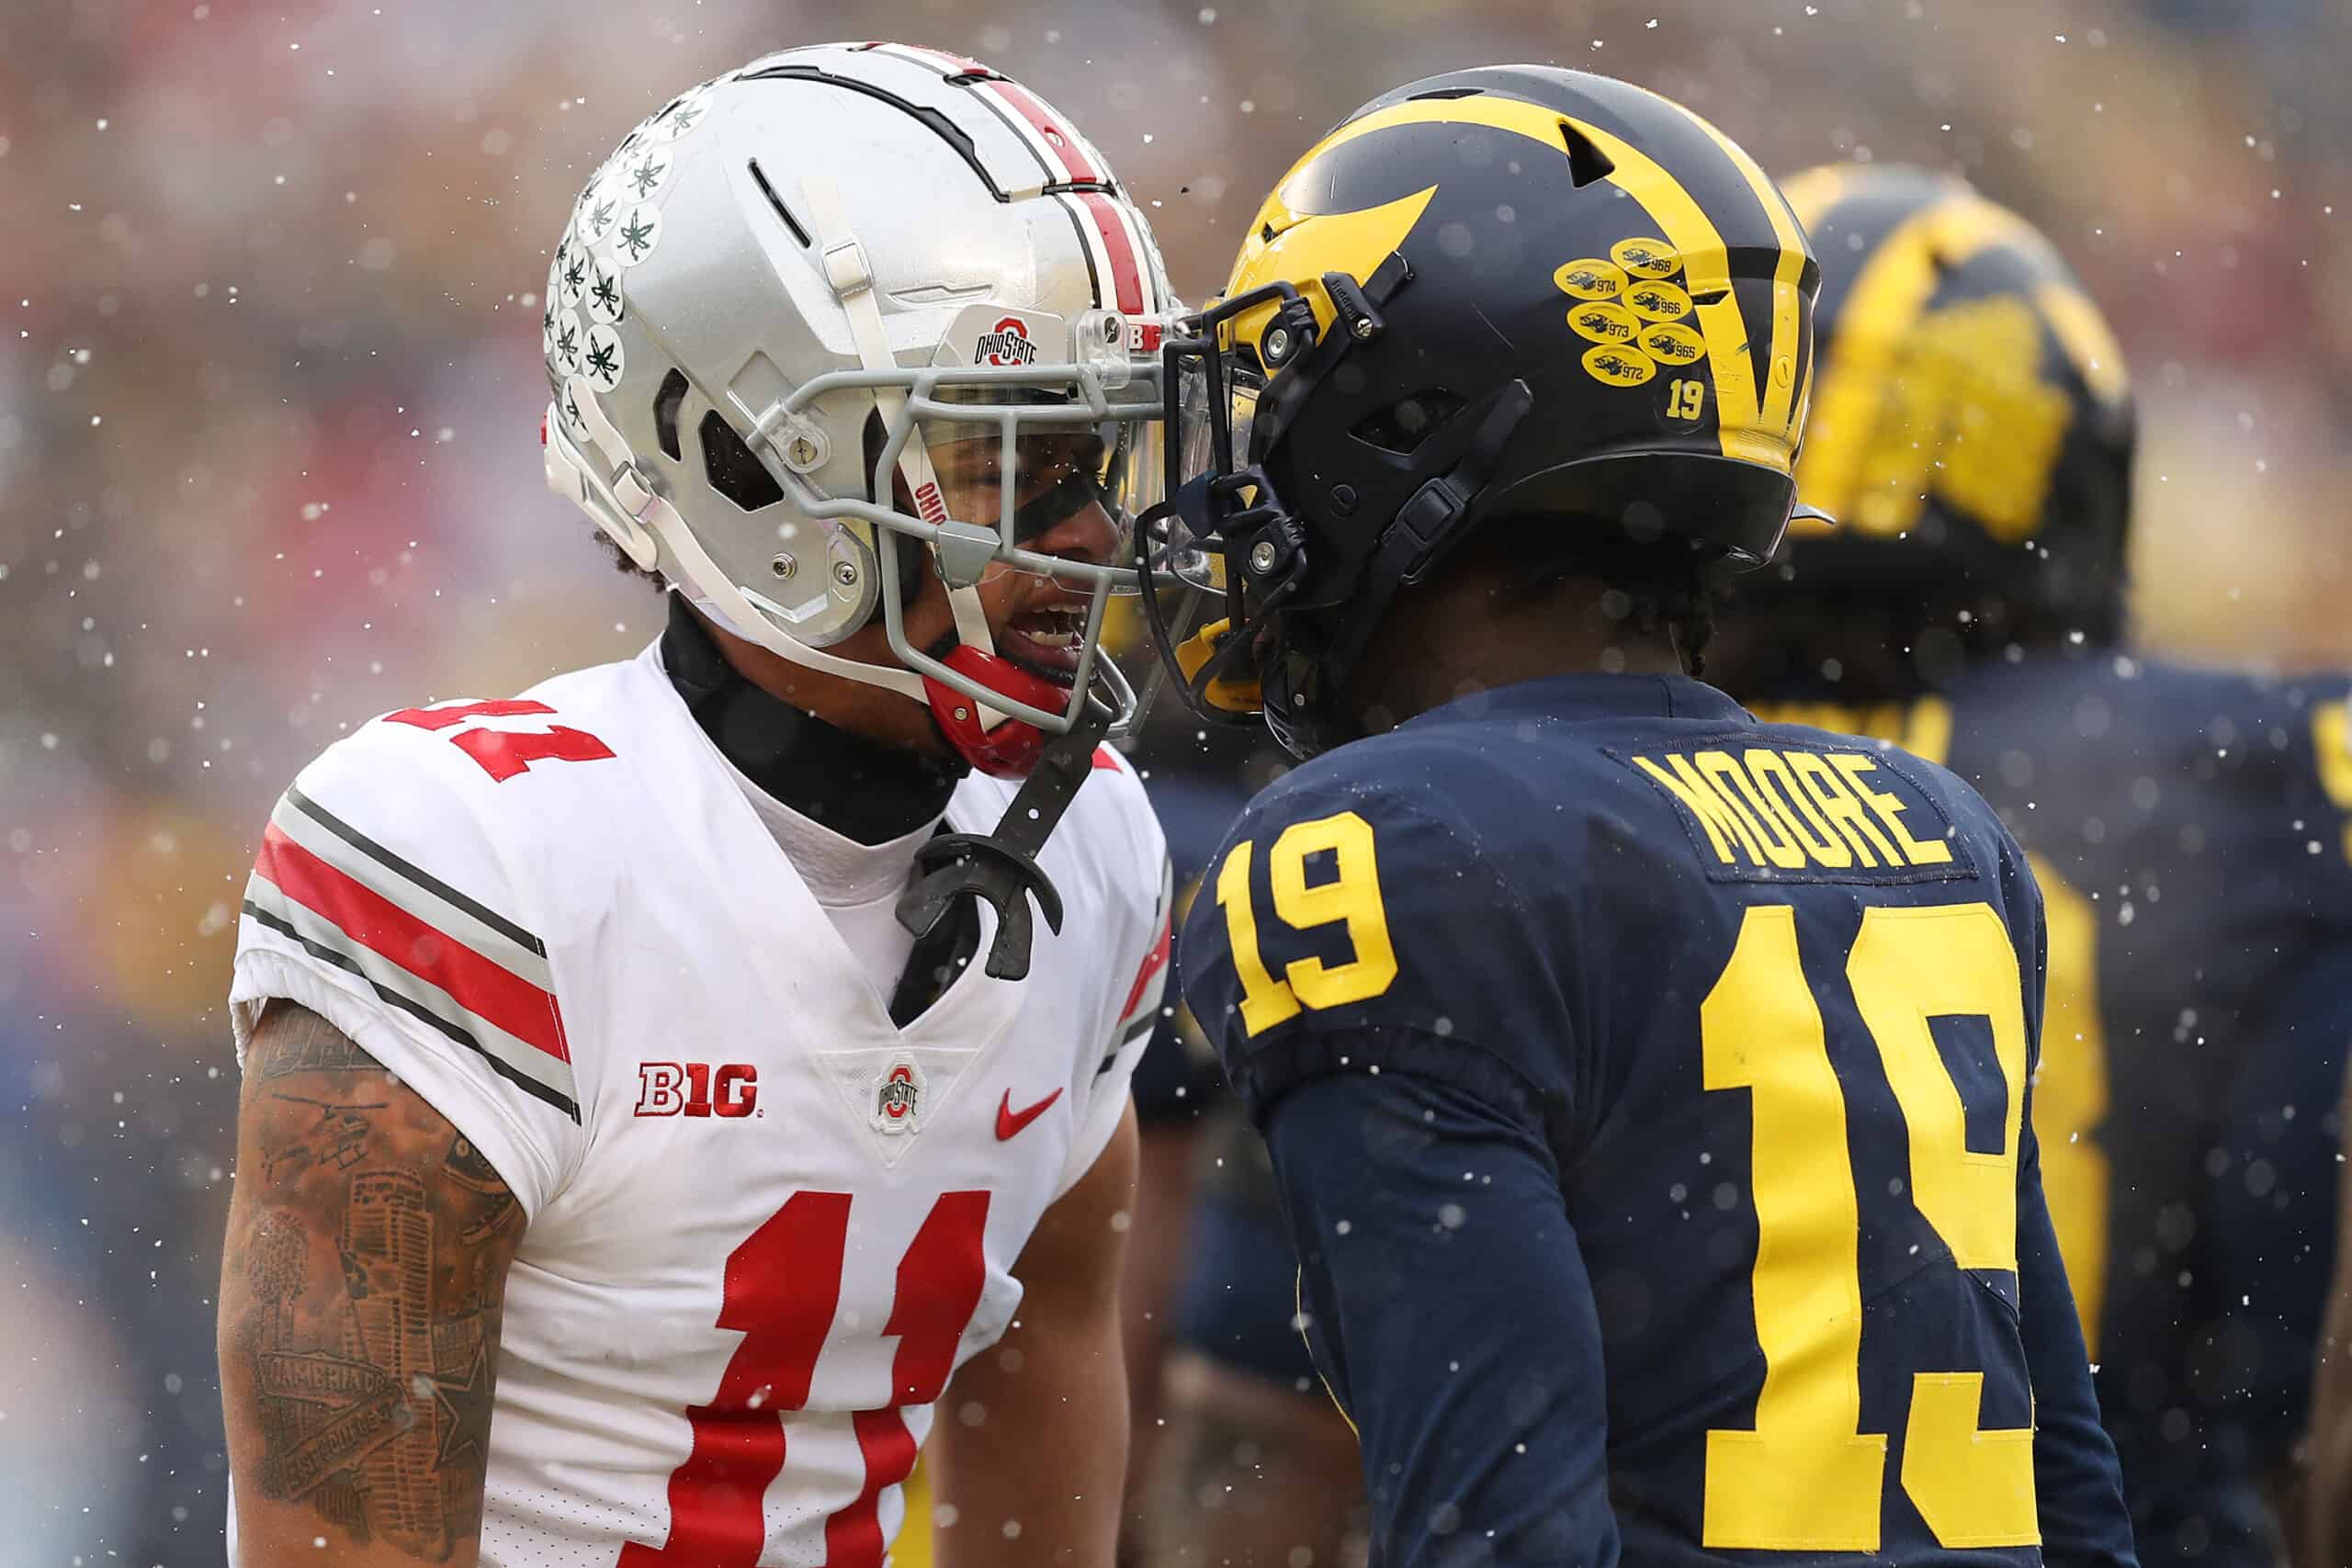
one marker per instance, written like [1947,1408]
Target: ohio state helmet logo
[897,1097]
[1007,343]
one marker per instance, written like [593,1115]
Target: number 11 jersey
[766,1223]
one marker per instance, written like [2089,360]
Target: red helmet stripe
[955,64]
[1126,276]
[1052,140]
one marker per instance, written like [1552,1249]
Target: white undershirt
[856,884]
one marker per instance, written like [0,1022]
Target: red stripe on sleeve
[1153,963]
[1125,275]
[481,986]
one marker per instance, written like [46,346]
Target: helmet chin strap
[1001,866]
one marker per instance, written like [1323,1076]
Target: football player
[1972,431]
[659,1086]
[1645,1086]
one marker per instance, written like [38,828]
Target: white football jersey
[765,1224]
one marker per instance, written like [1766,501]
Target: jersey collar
[1592,695]
[861,789]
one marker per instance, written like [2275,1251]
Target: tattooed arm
[360,1296]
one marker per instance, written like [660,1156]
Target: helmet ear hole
[733,471]
[1404,424]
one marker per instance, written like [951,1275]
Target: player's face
[1034,620]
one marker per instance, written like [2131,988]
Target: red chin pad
[1011,748]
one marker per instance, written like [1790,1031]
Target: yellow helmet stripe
[1782,406]
[2086,337]
[1305,248]
[1482,109]
[1887,297]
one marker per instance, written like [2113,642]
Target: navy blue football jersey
[2189,833]
[1649,1091]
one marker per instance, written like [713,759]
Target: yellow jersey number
[1807,1478]
[2070,1087]
[1352,894]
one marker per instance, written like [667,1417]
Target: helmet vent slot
[1445,92]
[1404,424]
[777,202]
[734,472]
[1587,163]
[665,411]
[1712,296]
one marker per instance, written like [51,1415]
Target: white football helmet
[787,290]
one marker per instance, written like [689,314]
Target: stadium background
[269,459]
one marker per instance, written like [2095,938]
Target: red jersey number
[503,754]
[781,1289]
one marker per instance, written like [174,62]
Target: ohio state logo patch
[1008,344]
[897,1097]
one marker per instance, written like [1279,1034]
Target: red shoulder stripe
[482,987]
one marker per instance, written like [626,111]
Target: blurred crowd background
[270,390]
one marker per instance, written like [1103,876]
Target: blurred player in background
[1646,1088]
[1973,432]
[657,1087]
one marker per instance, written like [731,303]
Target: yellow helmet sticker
[1604,322]
[1625,367]
[1591,278]
[1671,343]
[1647,258]
[1658,302]
[1638,329]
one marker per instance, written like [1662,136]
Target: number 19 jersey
[766,1223]
[1760,1007]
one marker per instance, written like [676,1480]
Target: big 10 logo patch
[697,1088]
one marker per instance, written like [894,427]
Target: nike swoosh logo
[1009,1121]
